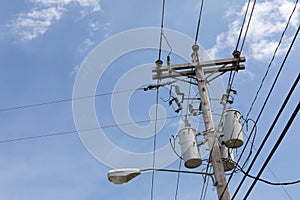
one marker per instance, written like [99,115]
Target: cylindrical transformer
[227,158]
[233,135]
[189,148]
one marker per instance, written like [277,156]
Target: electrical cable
[82,130]
[275,147]
[205,184]
[248,25]
[66,100]
[199,22]
[273,174]
[157,97]
[272,59]
[268,96]
[269,182]
[167,41]
[178,179]
[242,27]
[268,133]
[149,87]
[173,146]
[270,170]
[161,29]
[252,142]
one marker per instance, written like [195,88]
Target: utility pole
[199,69]
[213,143]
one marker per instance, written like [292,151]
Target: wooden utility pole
[212,139]
[199,69]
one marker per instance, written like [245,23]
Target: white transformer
[189,148]
[233,135]
[227,158]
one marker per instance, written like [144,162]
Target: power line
[82,130]
[205,184]
[268,133]
[199,21]
[282,135]
[248,25]
[161,29]
[178,179]
[272,59]
[158,62]
[269,182]
[268,96]
[242,27]
[66,100]
[149,87]
[270,170]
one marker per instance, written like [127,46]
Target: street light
[120,176]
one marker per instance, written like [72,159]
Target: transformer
[233,135]
[227,158]
[189,147]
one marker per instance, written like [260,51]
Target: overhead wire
[248,25]
[149,87]
[66,100]
[178,179]
[269,132]
[196,39]
[199,21]
[252,142]
[168,44]
[268,96]
[269,182]
[275,147]
[82,130]
[270,170]
[232,74]
[242,27]
[156,99]
[272,59]
[161,28]
[205,183]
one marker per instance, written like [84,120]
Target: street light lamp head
[120,176]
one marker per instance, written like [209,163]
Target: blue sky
[43,44]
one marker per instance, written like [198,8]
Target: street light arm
[120,176]
[174,170]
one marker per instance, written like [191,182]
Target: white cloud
[268,21]
[35,22]
[44,13]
